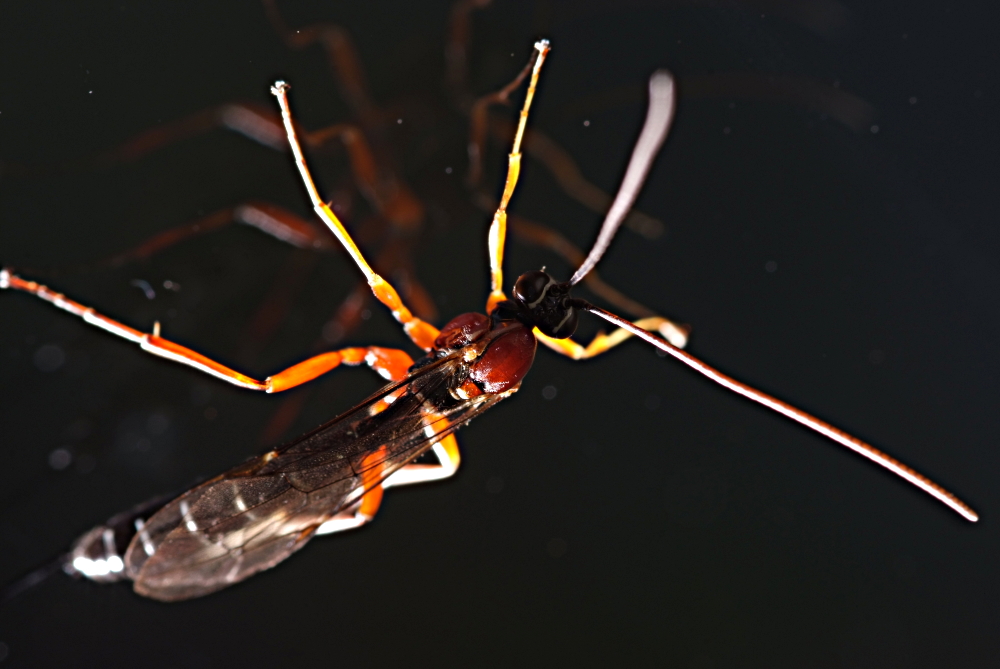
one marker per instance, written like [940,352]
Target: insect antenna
[799,416]
[658,118]
[654,131]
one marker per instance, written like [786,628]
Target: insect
[333,478]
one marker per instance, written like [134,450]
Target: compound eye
[531,286]
[560,324]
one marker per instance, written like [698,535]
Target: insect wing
[257,514]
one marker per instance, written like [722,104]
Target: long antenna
[654,131]
[799,416]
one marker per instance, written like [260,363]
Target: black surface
[650,517]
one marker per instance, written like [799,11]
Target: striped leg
[498,229]
[363,511]
[390,363]
[422,333]
[675,334]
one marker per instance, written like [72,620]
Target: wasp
[257,514]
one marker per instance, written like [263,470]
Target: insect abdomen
[99,553]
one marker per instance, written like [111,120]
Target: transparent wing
[259,513]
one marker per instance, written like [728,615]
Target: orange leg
[675,334]
[448,456]
[571,180]
[498,229]
[422,333]
[390,363]
[363,511]
[283,225]
[549,154]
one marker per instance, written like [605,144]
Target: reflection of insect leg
[392,201]
[270,219]
[288,227]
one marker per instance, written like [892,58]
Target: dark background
[643,515]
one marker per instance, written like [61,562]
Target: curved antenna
[654,131]
[799,416]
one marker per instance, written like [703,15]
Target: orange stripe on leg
[676,335]
[448,457]
[422,334]
[390,363]
[303,372]
[182,354]
[371,472]
[449,445]
[498,229]
[370,503]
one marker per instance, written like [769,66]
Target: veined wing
[256,515]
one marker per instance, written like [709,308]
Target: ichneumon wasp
[332,479]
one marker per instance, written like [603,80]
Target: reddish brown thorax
[508,349]
[461,331]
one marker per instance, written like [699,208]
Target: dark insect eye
[530,287]
[559,324]
[545,304]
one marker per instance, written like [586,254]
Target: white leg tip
[4,278]
[674,335]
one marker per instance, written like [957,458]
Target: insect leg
[570,178]
[270,219]
[448,456]
[422,333]
[364,510]
[342,57]
[498,229]
[390,363]
[389,195]
[675,334]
